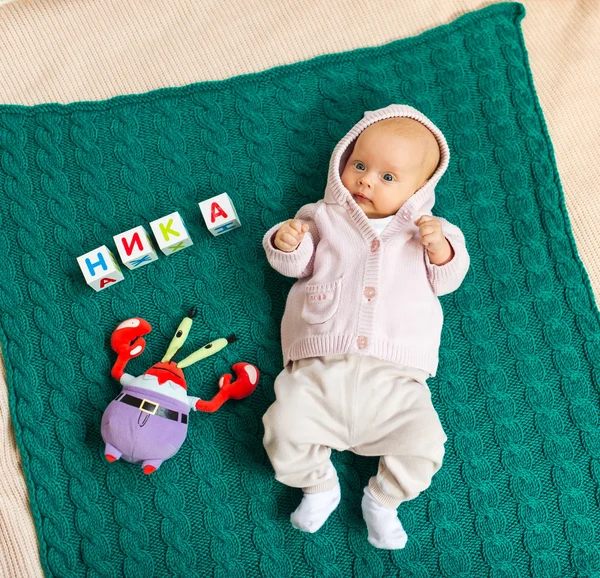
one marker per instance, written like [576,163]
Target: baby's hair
[413,128]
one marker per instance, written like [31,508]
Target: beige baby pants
[358,403]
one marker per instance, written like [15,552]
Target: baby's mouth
[360,198]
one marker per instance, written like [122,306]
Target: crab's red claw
[126,338]
[127,342]
[246,381]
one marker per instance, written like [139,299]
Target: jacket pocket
[321,301]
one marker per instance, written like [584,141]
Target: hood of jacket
[420,203]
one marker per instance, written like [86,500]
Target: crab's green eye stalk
[179,339]
[206,351]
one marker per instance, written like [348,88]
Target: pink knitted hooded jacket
[361,293]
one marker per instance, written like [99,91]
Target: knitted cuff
[381,496]
[323,486]
[451,271]
[291,263]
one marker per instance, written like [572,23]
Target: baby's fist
[432,238]
[430,231]
[290,235]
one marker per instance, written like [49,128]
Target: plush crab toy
[147,422]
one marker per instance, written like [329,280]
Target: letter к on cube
[171,233]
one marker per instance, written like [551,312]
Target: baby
[362,325]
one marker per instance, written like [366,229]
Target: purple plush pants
[138,437]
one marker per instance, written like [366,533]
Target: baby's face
[390,161]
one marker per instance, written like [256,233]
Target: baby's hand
[290,235]
[432,238]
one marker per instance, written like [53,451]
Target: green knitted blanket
[517,391]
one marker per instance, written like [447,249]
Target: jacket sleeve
[447,278]
[298,263]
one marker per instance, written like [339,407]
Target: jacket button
[362,342]
[406,215]
[370,292]
[375,245]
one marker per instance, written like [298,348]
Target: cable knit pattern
[517,386]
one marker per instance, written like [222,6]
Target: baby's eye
[358,165]
[388,177]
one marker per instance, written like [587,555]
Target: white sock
[383,525]
[314,509]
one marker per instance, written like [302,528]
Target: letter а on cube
[219,214]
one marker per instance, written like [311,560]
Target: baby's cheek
[345,179]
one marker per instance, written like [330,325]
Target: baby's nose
[365,181]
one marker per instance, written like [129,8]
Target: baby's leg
[301,427]
[295,440]
[401,478]
[401,425]
[398,479]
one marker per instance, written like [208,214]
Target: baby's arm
[447,277]
[298,262]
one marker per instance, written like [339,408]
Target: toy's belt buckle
[153,412]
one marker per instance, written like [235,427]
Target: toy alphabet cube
[135,247]
[219,214]
[100,268]
[171,233]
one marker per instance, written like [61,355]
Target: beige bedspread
[69,50]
